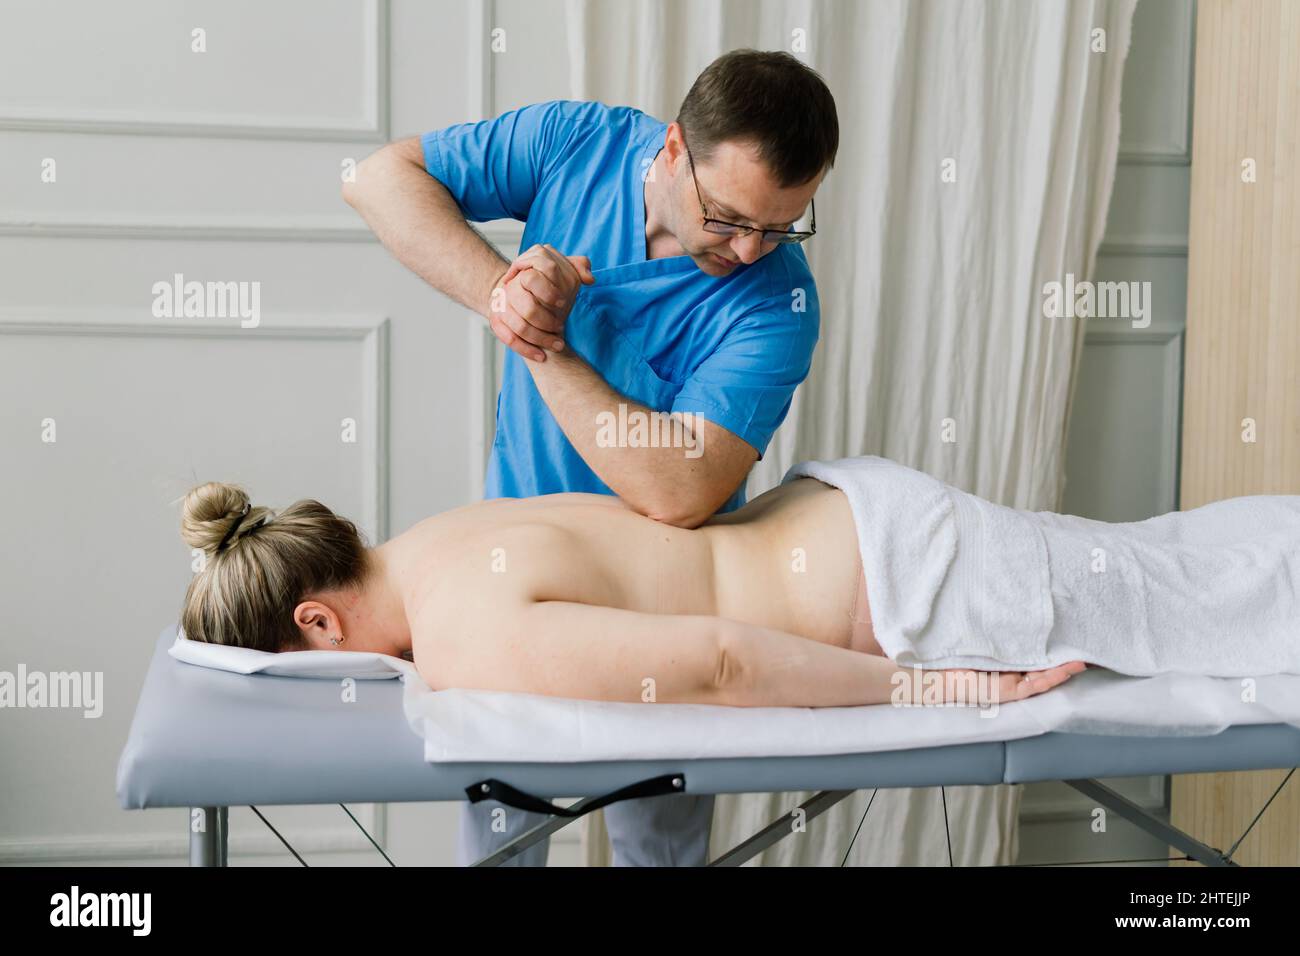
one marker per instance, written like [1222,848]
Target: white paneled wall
[224,166]
[1122,456]
[1123,451]
[221,166]
[259,75]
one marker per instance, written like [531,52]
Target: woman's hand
[1017,685]
[962,685]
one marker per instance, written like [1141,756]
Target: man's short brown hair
[768,98]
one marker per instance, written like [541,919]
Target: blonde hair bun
[210,510]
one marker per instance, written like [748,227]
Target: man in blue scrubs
[663,274]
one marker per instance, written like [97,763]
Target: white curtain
[978,143]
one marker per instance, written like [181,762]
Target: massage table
[209,739]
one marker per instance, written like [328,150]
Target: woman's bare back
[788,560]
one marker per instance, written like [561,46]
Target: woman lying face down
[573,595]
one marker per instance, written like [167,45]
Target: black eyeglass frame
[724,228]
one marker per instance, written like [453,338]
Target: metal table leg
[780,828]
[208,836]
[1139,817]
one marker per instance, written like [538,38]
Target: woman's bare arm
[565,649]
[764,667]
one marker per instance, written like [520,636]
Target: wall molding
[1178,151]
[370,331]
[1170,340]
[374,126]
[1171,246]
[278,229]
[481,385]
[505,233]
[174,845]
[1154,157]
[1153,335]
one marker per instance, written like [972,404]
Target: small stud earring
[337,640]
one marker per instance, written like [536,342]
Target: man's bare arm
[419,222]
[665,483]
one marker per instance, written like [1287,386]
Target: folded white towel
[957,581]
[244,660]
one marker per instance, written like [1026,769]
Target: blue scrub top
[661,332]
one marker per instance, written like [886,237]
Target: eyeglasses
[723,228]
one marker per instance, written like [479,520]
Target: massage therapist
[662,274]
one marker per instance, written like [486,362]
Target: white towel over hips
[957,581]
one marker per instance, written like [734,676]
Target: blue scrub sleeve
[494,168]
[747,383]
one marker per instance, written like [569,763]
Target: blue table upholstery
[205,738]
[1075,756]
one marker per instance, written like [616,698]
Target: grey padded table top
[203,737]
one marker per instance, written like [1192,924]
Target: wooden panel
[1243,347]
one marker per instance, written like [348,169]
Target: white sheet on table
[465,726]
[475,725]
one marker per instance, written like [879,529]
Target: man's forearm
[653,480]
[418,221]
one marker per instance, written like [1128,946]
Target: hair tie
[233,528]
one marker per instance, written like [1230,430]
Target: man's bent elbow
[677,519]
[372,166]
[349,193]
[351,188]
[681,512]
